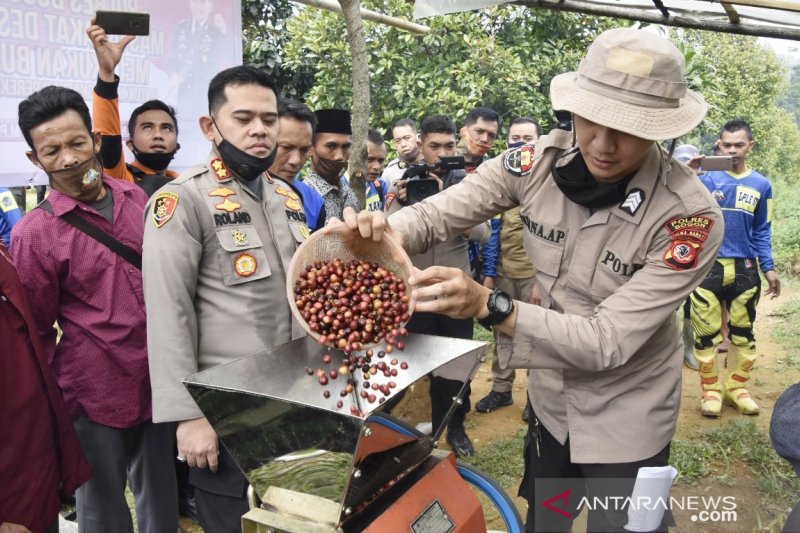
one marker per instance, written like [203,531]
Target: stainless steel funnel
[273,418]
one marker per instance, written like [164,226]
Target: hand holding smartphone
[123,22]
[716,162]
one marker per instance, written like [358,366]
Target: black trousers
[549,468]
[443,390]
[221,496]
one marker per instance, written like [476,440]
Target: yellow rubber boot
[711,402]
[740,362]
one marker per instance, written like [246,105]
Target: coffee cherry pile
[352,304]
[364,366]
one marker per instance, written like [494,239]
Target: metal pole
[366,14]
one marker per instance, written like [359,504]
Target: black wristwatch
[500,305]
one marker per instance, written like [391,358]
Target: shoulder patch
[389,200]
[696,223]
[687,237]
[633,202]
[682,254]
[519,161]
[164,205]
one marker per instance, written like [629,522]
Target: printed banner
[44,42]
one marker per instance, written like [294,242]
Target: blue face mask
[516,144]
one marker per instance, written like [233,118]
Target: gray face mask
[329,169]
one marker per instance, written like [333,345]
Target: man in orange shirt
[153,127]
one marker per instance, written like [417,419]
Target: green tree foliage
[740,78]
[265,37]
[501,57]
[790,99]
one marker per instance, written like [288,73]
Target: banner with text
[44,42]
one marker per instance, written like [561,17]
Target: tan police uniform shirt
[604,348]
[214,265]
[450,253]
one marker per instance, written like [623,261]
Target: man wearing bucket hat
[619,234]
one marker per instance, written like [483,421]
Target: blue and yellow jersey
[746,203]
[9,214]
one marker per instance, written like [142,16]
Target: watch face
[503,303]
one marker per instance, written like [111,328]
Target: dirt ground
[772,379]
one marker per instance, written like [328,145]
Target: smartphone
[716,162]
[123,22]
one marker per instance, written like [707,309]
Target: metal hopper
[287,437]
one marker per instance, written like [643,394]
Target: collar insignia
[633,202]
[220,169]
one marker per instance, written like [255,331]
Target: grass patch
[741,440]
[501,459]
[786,332]
[692,459]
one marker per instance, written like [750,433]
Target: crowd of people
[575,248]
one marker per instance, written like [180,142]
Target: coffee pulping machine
[336,463]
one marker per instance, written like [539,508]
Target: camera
[419,186]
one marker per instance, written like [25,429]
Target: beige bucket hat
[631,81]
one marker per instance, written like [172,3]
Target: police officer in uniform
[218,241]
[438,138]
[605,209]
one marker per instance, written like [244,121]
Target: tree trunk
[351,9]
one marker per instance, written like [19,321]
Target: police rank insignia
[688,235]
[239,237]
[220,170]
[519,161]
[245,265]
[164,205]
[633,202]
[221,192]
[228,206]
[292,200]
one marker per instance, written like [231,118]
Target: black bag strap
[71,217]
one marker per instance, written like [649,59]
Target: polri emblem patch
[245,265]
[519,161]
[164,205]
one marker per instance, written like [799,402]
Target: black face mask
[158,161]
[246,166]
[578,184]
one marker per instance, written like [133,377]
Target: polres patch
[519,161]
[702,224]
[164,205]
[682,255]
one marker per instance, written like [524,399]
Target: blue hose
[496,495]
